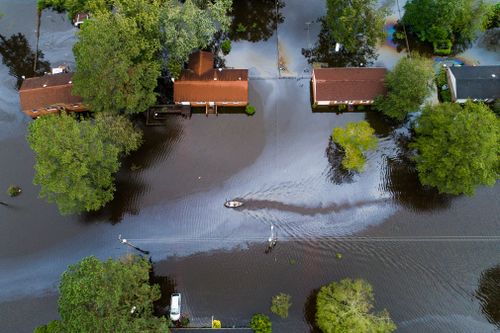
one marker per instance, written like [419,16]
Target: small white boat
[175,306]
[233,204]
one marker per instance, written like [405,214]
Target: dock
[157,114]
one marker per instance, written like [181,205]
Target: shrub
[226,46]
[14,191]
[442,47]
[241,28]
[216,324]
[354,140]
[250,110]
[280,305]
[261,323]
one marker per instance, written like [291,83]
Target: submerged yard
[426,255]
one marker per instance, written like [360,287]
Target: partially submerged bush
[280,304]
[250,110]
[261,323]
[354,140]
[14,191]
[226,47]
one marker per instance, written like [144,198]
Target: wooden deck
[157,114]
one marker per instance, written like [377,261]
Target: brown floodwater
[432,259]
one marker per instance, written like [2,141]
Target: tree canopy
[408,85]
[458,147]
[346,306]
[357,25]
[190,25]
[116,59]
[108,296]
[444,20]
[76,160]
[261,323]
[355,139]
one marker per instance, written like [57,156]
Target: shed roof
[40,92]
[477,82]
[349,83]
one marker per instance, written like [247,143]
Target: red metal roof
[201,83]
[40,92]
[349,83]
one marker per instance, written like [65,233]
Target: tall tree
[108,296]
[190,25]
[116,58]
[358,25]
[408,85]
[441,20]
[346,306]
[76,160]
[458,147]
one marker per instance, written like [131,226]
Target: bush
[250,110]
[354,140]
[442,47]
[216,324]
[442,82]
[226,46]
[14,191]
[261,323]
[280,305]
[52,327]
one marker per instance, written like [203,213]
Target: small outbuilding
[202,85]
[47,94]
[347,85]
[477,83]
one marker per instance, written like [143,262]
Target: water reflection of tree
[324,51]
[337,174]
[167,287]
[18,56]
[129,188]
[310,311]
[401,180]
[255,20]
[488,293]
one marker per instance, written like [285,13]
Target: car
[175,306]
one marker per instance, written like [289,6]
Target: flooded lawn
[420,250]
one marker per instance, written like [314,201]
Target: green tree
[52,327]
[346,306]
[190,25]
[109,296]
[261,323]
[74,7]
[356,24]
[458,147]
[116,58]
[444,20]
[355,139]
[76,160]
[408,85]
[280,304]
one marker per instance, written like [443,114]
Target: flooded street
[424,253]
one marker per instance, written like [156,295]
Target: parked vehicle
[175,306]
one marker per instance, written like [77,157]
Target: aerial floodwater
[426,255]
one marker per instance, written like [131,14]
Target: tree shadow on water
[255,20]
[157,145]
[401,180]
[20,58]
[167,286]
[336,173]
[488,294]
[310,311]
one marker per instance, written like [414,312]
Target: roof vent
[239,78]
[220,69]
[70,82]
[44,85]
[215,79]
[493,75]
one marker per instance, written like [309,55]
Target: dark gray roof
[481,82]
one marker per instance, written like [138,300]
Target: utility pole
[126,242]
[404,30]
